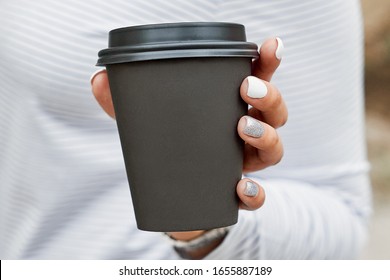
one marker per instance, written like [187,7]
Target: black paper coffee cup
[175,89]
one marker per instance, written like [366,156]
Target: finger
[271,52]
[266,98]
[102,93]
[263,146]
[251,194]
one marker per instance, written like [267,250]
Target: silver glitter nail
[253,127]
[251,189]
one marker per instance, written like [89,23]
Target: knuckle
[279,157]
[281,121]
[284,120]
[273,139]
[277,99]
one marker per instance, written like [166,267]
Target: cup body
[177,120]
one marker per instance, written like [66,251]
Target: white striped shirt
[63,187]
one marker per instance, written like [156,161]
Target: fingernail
[256,87]
[95,74]
[279,49]
[251,189]
[253,127]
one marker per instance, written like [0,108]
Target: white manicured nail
[256,87]
[95,74]
[279,49]
[253,127]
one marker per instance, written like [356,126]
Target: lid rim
[121,58]
[206,45]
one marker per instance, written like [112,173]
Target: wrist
[199,243]
[185,235]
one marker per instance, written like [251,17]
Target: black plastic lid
[176,40]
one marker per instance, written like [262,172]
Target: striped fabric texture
[63,187]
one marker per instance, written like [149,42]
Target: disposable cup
[175,90]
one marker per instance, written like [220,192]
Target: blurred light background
[377,43]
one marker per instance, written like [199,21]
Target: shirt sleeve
[298,221]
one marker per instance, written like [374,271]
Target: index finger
[271,52]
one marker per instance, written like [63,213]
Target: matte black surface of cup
[177,120]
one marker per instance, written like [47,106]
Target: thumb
[101,91]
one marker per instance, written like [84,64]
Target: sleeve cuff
[242,241]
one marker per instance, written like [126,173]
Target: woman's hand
[263,146]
